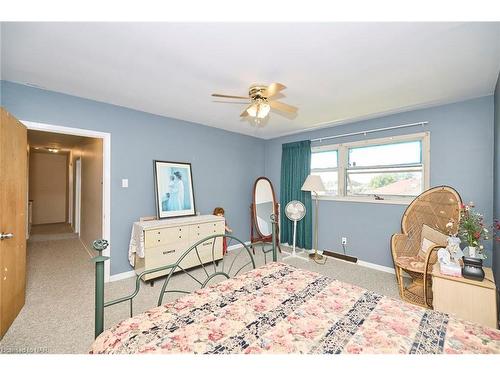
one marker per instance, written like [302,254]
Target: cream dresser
[162,242]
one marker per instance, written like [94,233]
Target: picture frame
[174,193]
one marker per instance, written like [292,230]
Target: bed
[277,308]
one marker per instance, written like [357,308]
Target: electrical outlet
[344,240]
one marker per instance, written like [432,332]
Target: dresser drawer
[164,255]
[200,231]
[205,250]
[164,236]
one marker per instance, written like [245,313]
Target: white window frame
[336,169]
[342,166]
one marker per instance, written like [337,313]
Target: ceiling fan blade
[273,89]
[230,96]
[245,112]
[282,107]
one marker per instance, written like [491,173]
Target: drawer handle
[159,232]
[168,252]
[207,243]
[158,240]
[180,236]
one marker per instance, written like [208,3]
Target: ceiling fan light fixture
[262,101]
[259,110]
[263,110]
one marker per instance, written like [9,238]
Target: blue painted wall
[496,185]
[225,165]
[461,156]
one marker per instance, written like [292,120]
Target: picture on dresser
[173,189]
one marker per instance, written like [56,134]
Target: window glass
[331,182]
[388,154]
[378,168]
[324,159]
[388,182]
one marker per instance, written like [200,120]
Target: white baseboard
[299,249]
[361,263]
[129,274]
[122,276]
[86,247]
[237,246]
[377,267]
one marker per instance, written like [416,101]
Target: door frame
[106,175]
[78,194]
[71,184]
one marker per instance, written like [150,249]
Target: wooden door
[13,202]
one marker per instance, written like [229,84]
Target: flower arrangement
[472,229]
[496,230]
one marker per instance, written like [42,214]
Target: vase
[472,251]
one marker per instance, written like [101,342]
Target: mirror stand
[263,206]
[255,236]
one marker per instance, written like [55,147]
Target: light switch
[125,182]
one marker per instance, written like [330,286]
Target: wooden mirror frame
[255,235]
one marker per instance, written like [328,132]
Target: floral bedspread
[281,309]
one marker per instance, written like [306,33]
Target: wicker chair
[436,208]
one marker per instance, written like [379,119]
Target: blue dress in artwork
[174,202]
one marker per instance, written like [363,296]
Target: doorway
[55,171]
[49,158]
[88,181]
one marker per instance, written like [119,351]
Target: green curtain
[295,167]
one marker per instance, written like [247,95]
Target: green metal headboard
[207,267]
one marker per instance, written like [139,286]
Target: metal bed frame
[211,269]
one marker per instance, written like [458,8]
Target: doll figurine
[219,211]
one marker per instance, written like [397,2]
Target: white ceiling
[335,72]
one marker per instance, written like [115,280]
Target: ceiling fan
[261,102]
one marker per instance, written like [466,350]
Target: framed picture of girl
[173,189]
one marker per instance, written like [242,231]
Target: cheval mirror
[263,206]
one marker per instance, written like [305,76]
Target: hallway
[57,228]
[58,231]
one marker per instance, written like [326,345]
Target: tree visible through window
[378,168]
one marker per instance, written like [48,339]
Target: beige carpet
[59,313]
[57,231]
[55,228]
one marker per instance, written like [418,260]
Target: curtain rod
[422,123]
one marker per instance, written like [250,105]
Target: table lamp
[314,184]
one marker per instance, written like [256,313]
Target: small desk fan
[295,211]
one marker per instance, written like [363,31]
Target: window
[325,164]
[388,169]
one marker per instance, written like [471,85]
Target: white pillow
[432,237]
[426,245]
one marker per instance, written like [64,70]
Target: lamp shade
[313,183]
